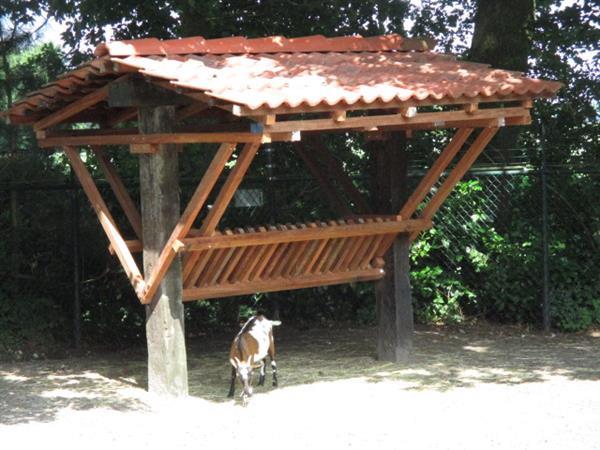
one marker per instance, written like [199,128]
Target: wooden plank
[369,122]
[298,256]
[106,221]
[336,201]
[185,222]
[120,191]
[329,247]
[305,254]
[246,262]
[71,109]
[281,284]
[229,187]
[211,267]
[433,174]
[285,256]
[287,236]
[166,138]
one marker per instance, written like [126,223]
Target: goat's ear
[275,323]
[237,361]
[249,360]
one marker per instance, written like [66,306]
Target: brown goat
[249,350]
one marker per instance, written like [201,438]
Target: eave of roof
[298,73]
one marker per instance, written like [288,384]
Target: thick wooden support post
[167,365]
[392,292]
[394,304]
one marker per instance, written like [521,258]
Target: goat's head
[244,371]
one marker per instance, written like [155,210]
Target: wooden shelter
[258,91]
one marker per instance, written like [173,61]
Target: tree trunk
[502,38]
[159,188]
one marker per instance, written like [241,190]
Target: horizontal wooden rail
[394,119]
[167,138]
[304,234]
[227,290]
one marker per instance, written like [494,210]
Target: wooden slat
[266,257]
[246,262]
[229,187]
[279,253]
[106,221]
[364,264]
[433,174]
[187,218]
[197,268]
[210,267]
[285,256]
[331,244]
[369,122]
[297,257]
[310,267]
[221,266]
[233,264]
[120,191]
[305,255]
[281,284]
[287,236]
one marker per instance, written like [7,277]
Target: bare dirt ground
[468,388]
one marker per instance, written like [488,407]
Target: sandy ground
[473,388]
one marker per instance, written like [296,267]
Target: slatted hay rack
[155,96]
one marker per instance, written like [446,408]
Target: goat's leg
[261,378]
[273,369]
[232,387]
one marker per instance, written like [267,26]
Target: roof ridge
[269,44]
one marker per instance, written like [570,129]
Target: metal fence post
[546,255]
[76,266]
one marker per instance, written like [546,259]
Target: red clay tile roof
[271,44]
[273,72]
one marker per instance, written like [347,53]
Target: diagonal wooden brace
[107,221]
[186,220]
[456,174]
[123,197]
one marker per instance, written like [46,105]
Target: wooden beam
[370,122]
[168,138]
[106,221]
[456,174]
[337,202]
[72,108]
[303,234]
[120,191]
[435,171]
[231,184]
[244,111]
[123,116]
[335,169]
[188,217]
[269,285]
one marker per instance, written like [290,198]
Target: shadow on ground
[443,359]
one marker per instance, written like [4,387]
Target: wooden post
[167,364]
[392,292]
